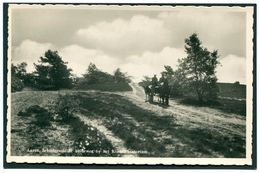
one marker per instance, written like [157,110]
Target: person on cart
[154,83]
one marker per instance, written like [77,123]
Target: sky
[140,41]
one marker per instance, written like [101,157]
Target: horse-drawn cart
[162,91]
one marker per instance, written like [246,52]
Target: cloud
[224,31]
[232,69]
[125,37]
[150,63]
[29,51]
[78,59]
[128,32]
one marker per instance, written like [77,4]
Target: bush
[16,84]
[31,110]
[23,114]
[65,107]
[35,109]
[95,79]
[175,90]
[42,116]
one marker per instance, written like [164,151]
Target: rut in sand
[115,141]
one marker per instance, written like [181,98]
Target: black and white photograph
[130,84]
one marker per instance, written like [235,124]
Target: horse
[148,93]
[155,90]
[164,93]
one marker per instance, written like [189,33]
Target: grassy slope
[161,136]
[142,130]
[232,90]
[109,86]
[232,99]
[28,138]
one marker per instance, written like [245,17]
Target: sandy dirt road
[190,115]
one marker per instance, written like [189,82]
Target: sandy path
[191,116]
[115,141]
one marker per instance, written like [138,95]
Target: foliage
[18,74]
[52,72]
[65,106]
[121,77]
[75,79]
[173,78]
[42,116]
[146,81]
[176,84]
[96,79]
[197,70]
[88,140]
[20,77]
[232,90]
[95,75]
[16,84]
[168,72]
[84,137]
[19,70]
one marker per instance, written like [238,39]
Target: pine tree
[52,72]
[199,69]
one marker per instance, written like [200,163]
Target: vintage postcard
[130,84]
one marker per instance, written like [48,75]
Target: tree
[146,81]
[197,70]
[92,68]
[19,70]
[16,84]
[120,76]
[96,76]
[52,72]
[18,75]
[168,72]
[174,80]
[96,79]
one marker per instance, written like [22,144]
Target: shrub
[34,109]
[96,79]
[22,114]
[16,84]
[42,116]
[65,107]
